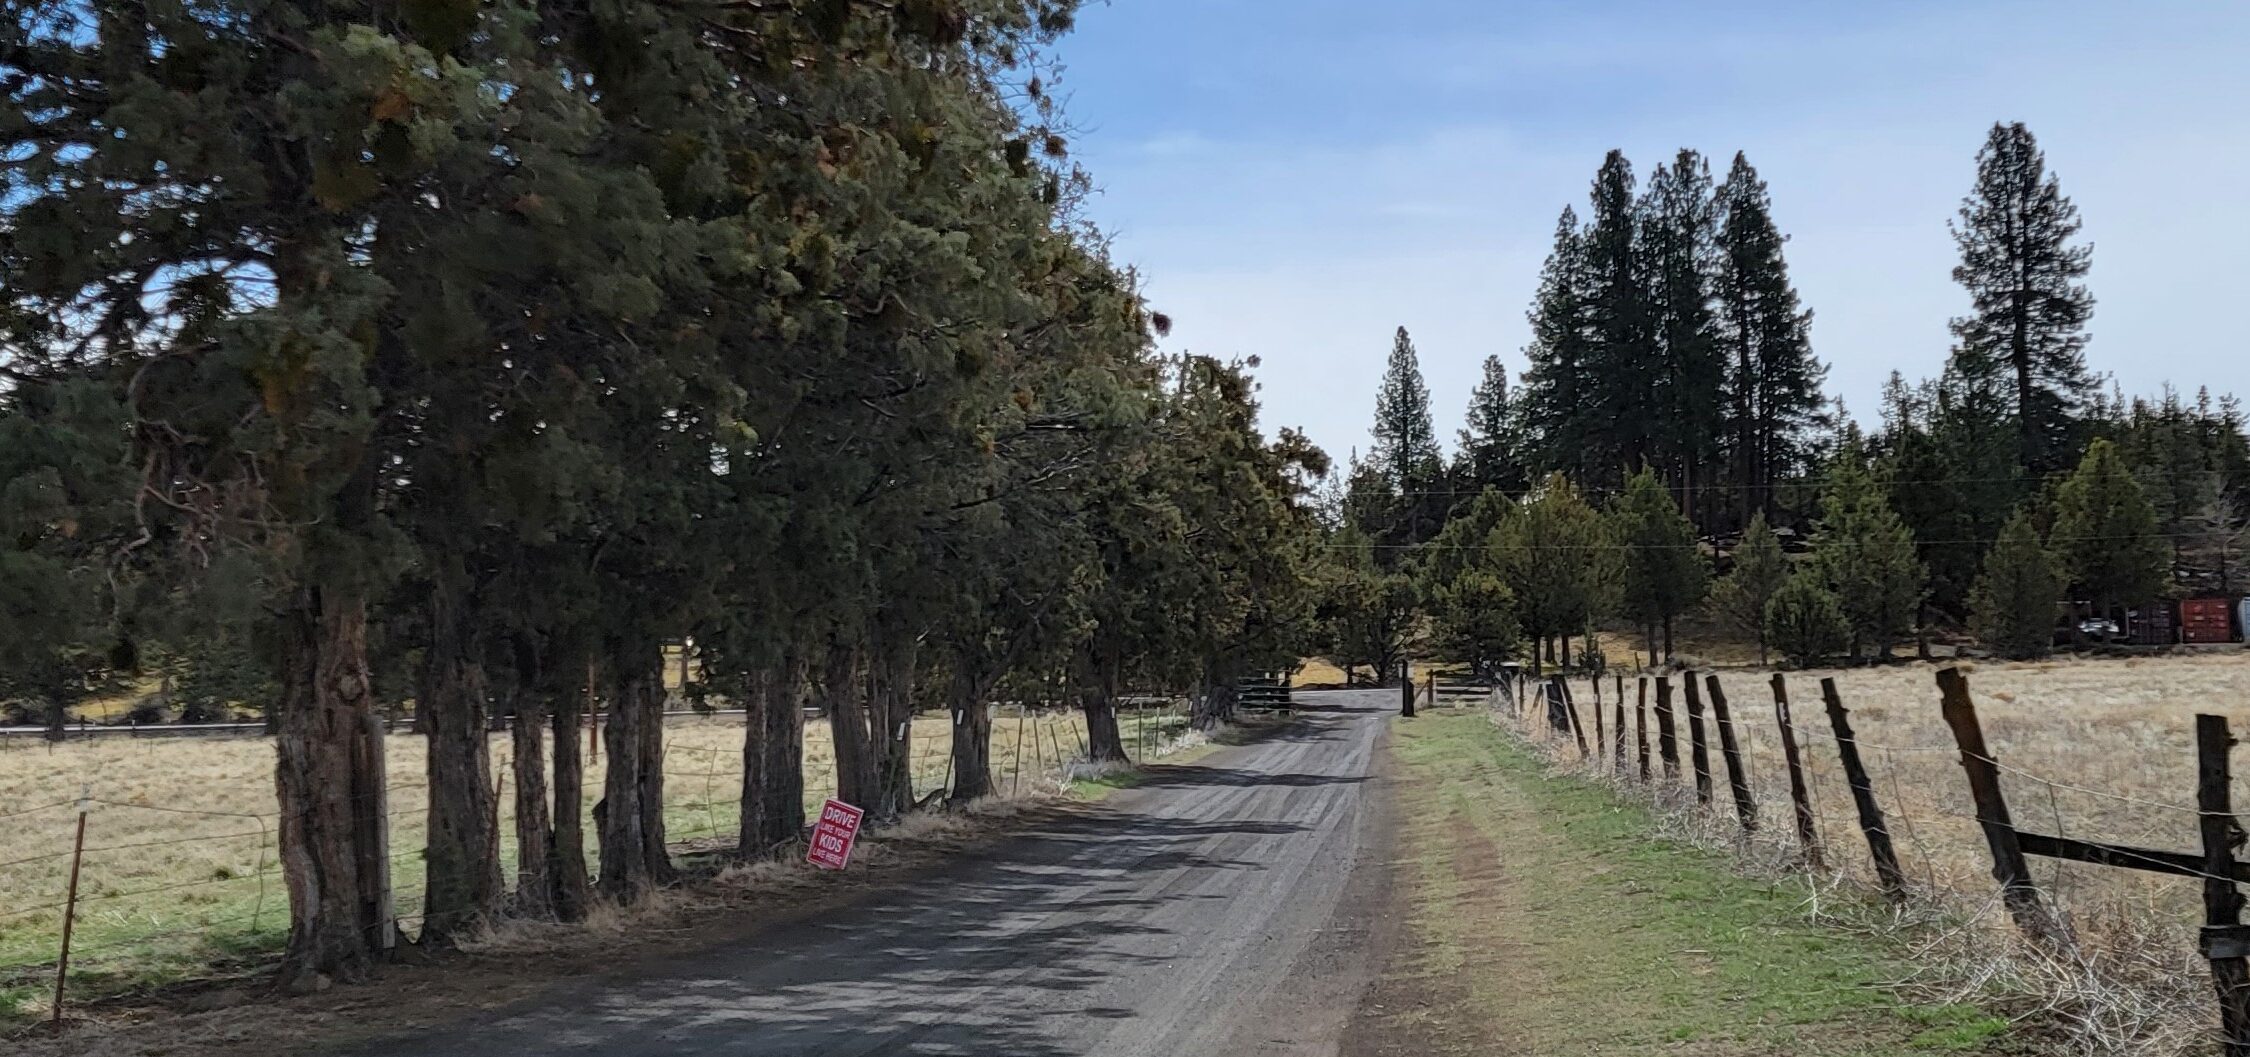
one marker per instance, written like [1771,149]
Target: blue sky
[1296,178]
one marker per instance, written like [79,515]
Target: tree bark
[569,888]
[1097,697]
[972,743]
[631,814]
[461,864]
[1221,697]
[535,835]
[773,759]
[328,779]
[848,727]
[890,682]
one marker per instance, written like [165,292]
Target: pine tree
[1805,620]
[1624,377]
[1560,563]
[2029,307]
[1773,382]
[2013,604]
[2106,536]
[1662,573]
[1406,452]
[1679,227]
[1865,554]
[1558,429]
[1489,456]
[1760,568]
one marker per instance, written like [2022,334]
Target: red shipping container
[2207,620]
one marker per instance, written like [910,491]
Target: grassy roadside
[1546,920]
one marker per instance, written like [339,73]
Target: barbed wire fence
[1934,841]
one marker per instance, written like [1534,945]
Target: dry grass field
[2097,749]
[179,872]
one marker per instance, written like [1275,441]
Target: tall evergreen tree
[1489,454]
[1624,376]
[1773,380]
[1679,228]
[2029,307]
[1557,426]
[1406,449]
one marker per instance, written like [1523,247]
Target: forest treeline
[1668,450]
[466,355]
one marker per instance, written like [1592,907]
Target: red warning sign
[834,835]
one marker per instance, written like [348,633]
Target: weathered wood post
[1667,740]
[2225,942]
[1601,735]
[70,906]
[1696,747]
[1617,729]
[1560,705]
[1808,836]
[1887,873]
[2008,864]
[1640,727]
[1745,806]
[1406,689]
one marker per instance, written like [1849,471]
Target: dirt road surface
[1235,906]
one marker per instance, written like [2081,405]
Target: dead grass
[2098,749]
[180,877]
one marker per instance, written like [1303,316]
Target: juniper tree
[1806,621]
[1560,563]
[2029,306]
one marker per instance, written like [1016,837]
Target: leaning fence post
[1559,705]
[1808,837]
[1887,873]
[2225,942]
[1745,808]
[2008,864]
[70,903]
[1696,747]
[1640,727]
[1667,741]
[1601,735]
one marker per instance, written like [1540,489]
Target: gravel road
[1236,906]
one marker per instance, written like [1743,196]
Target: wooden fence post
[2008,865]
[1406,689]
[1745,808]
[1808,836]
[70,906]
[1559,705]
[1640,726]
[1601,735]
[1667,740]
[1887,873]
[1696,747]
[2225,942]
[1617,729]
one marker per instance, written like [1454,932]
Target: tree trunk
[631,814]
[1097,698]
[1668,651]
[890,681]
[535,836]
[567,862]
[328,778]
[848,727]
[1222,693]
[773,759]
[1565,664]
[463,871]
[58,720]
[972,742]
